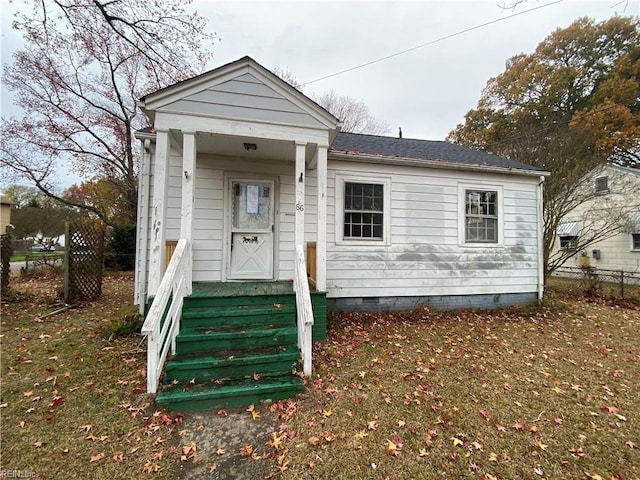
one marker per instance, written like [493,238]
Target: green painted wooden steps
[237,345]
[237,393]
[232,364]
[205,339]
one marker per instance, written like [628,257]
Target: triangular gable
[242,90]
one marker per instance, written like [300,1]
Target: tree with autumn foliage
[100,195]
[85,64]
[569,107]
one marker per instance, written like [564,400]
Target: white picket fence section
[161,335]
[304,311]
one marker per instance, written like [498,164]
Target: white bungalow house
[249,187]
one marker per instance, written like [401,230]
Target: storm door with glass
[252,216]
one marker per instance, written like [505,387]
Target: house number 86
[299,207]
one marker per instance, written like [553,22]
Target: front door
[252,215]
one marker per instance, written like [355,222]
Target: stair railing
[162,323]
[304,311]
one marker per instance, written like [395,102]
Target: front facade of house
[616,193]
[245,181]
[266,169]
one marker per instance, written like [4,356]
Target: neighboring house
[615,205]
[243,175]
[5,214]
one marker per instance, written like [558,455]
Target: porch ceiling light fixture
[250,146]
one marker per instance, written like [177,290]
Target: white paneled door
[252,215]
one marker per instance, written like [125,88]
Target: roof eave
[620,168]
[144,135]
[417,162]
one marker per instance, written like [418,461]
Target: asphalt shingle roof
[428,150]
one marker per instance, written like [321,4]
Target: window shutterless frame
[480,215]
[362,209]
[602,184]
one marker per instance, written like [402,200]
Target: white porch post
[159,211]
[189,153]
[300,181]
[303,299]
[321,241]
[142,238]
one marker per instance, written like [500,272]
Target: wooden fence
[5,253]
[83,263]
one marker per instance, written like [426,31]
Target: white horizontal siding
[433,289]
[616,251]
[244,98]
[425,256]
[209,215]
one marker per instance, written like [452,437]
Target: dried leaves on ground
[545,392]
[74,404]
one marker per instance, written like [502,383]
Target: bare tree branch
[354,114]
[85,64]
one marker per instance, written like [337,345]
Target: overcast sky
[426,91]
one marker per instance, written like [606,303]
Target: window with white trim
[481,216]
[363,211]
[635,241]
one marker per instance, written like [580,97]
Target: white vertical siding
[174,196]
[425,255]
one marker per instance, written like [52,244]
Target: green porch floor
[241,289]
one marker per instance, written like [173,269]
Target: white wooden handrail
[304,311]
[162,323]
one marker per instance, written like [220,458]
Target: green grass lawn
[36,256]
[549,392]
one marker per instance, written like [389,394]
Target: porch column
[189,153]
[159,211]
[321,241]
[300,181]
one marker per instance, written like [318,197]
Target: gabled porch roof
[238,104]
[240,90]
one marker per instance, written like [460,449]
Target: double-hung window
[481,216]
[363,211]
[635,241]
